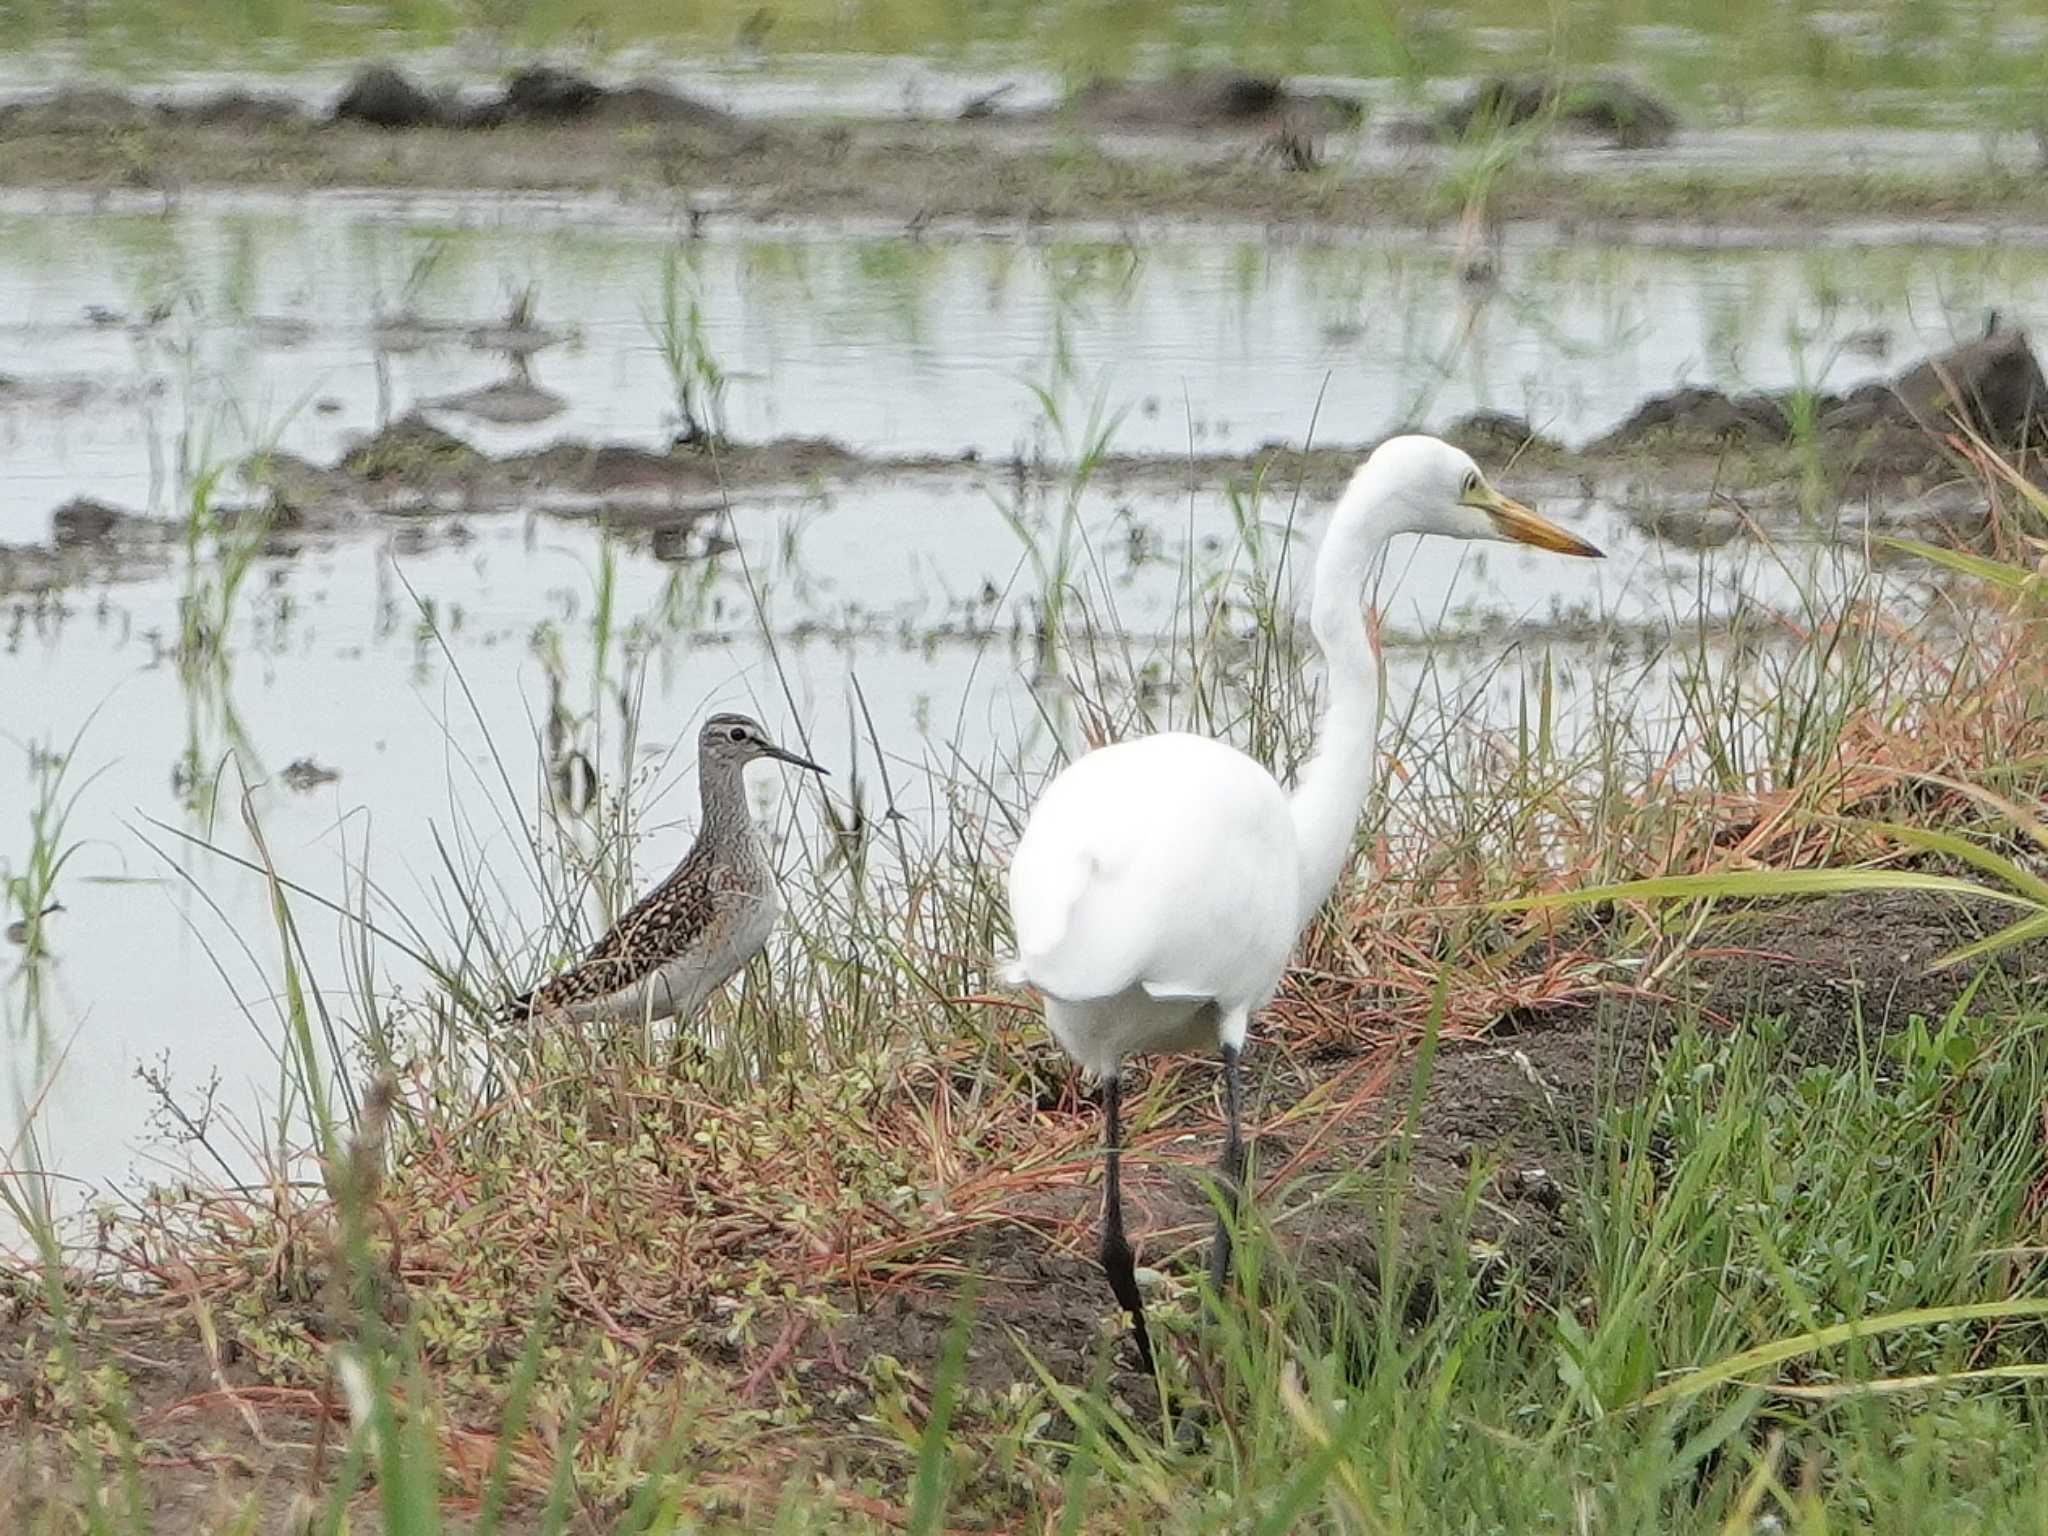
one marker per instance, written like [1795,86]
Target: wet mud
[1195,103]
[1206,145]
[1892,427]
[1609,108]
[384,96]
[1698,467]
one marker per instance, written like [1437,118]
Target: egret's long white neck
[1333,787]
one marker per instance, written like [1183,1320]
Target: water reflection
[305,324]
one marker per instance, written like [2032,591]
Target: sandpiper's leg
[1117,1262]
[1229,1170]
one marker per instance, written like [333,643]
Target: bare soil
[1513,1111]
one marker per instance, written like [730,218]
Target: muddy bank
[420,476]
[1212,159]
[1890,440]
[1889,430]
[1886,428]
[1840,973]
[1198,102]
[380,96]
[386,96]
[1516,1113]
[1608,108]
[414,468]
[1695,467]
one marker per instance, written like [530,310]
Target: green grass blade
[1887,1386]
[1998,573]
[512,1421]
[2021,932]
[928,1490]
[1736,1366]
[1964,850]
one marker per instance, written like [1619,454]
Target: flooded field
[378,680]
[219,326]
[417,418]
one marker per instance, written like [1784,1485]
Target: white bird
[1161,883]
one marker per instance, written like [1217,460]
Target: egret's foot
[1120,1265]
[1229,1174]
[1220,1254]
[1143,1340]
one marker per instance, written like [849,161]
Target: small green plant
[696,378]
[1053,537]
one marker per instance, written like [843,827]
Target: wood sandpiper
[686,938]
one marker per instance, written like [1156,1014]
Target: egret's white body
[1154,898]
[1161,883]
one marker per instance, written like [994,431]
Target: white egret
[1161,883]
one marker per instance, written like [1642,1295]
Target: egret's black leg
[1117,1262]
[1230,1171]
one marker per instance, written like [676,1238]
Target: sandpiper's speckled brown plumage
[685,938]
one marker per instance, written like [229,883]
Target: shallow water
[896,613]
[219,325]
[915,598]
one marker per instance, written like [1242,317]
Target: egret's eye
[1471,485]
[739,733]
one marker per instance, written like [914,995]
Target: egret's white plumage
[1156,882]
[1161,883]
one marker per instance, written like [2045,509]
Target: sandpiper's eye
[739,733]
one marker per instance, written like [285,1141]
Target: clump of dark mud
[414,467]
[303,775]
[1500,433]
[89,541]
[82,520]
[384,96]
[1889,428]
[380,96]
[1197,102]
[1602,106]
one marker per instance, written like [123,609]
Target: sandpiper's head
[737,740]
[1424,485]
